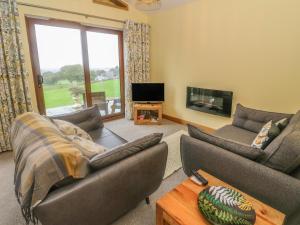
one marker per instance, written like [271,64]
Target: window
[76,66]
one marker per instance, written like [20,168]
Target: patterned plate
[224,206]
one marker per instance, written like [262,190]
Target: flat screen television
[148,92]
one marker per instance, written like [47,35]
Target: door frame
[35,64]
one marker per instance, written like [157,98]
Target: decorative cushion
[87,119]
[68,128]
[87,147]
[224,206]
[253,120]
[281,124]
[236,147]
[283,153]
[121,152]
[266,135]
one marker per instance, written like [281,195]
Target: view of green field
[57,95]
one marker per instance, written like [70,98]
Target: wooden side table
[180,206]
[147,114]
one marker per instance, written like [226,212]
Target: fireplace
[210,101]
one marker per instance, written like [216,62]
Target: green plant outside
[58,95]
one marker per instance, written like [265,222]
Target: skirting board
[185,122]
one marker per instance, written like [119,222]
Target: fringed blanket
[43,156]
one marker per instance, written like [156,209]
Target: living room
[134,99]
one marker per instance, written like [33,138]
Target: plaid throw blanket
[43,156]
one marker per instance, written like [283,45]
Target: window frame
[31,34]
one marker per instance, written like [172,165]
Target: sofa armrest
[107,194]
[275,188]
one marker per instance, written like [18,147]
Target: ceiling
[166,4]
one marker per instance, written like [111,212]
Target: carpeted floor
[174,159]
[142,215]
[127,130]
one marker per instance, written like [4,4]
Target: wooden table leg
[159,215]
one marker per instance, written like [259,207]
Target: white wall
[249,47]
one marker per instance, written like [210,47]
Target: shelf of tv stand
[147,107]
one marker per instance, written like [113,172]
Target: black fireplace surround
[210,101]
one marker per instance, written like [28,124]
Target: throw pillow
[68,128]
[266,135]
[121,152]
[235,147]
[281,124]
[87,147]
[283,153]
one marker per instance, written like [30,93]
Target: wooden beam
[119,4]
[185,122]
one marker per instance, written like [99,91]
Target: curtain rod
[70,12]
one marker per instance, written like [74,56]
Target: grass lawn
[59,95]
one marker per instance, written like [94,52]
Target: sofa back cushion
[123,151]
[283,153]
[253,120]
[87,119]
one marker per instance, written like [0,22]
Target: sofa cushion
[106,138]
[230,145]
[281,124]
[269,131]
[121,152]
[87,119]
[236,134]
[283,153]
[253,120]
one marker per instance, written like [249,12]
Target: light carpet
[174,159]
[127,130]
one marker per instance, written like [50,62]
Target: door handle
[40,80]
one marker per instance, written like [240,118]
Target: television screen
[148,92]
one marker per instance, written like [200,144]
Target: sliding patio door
[104,64]
[76,66]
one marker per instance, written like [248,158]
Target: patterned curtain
[137,56]
[14,99]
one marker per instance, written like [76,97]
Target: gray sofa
[108,193]
[270,178]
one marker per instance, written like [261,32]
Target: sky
[59,46]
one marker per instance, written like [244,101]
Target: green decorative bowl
[224,206]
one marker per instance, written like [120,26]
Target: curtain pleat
[137,59]
[14,97]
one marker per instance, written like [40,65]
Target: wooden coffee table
[180,206]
